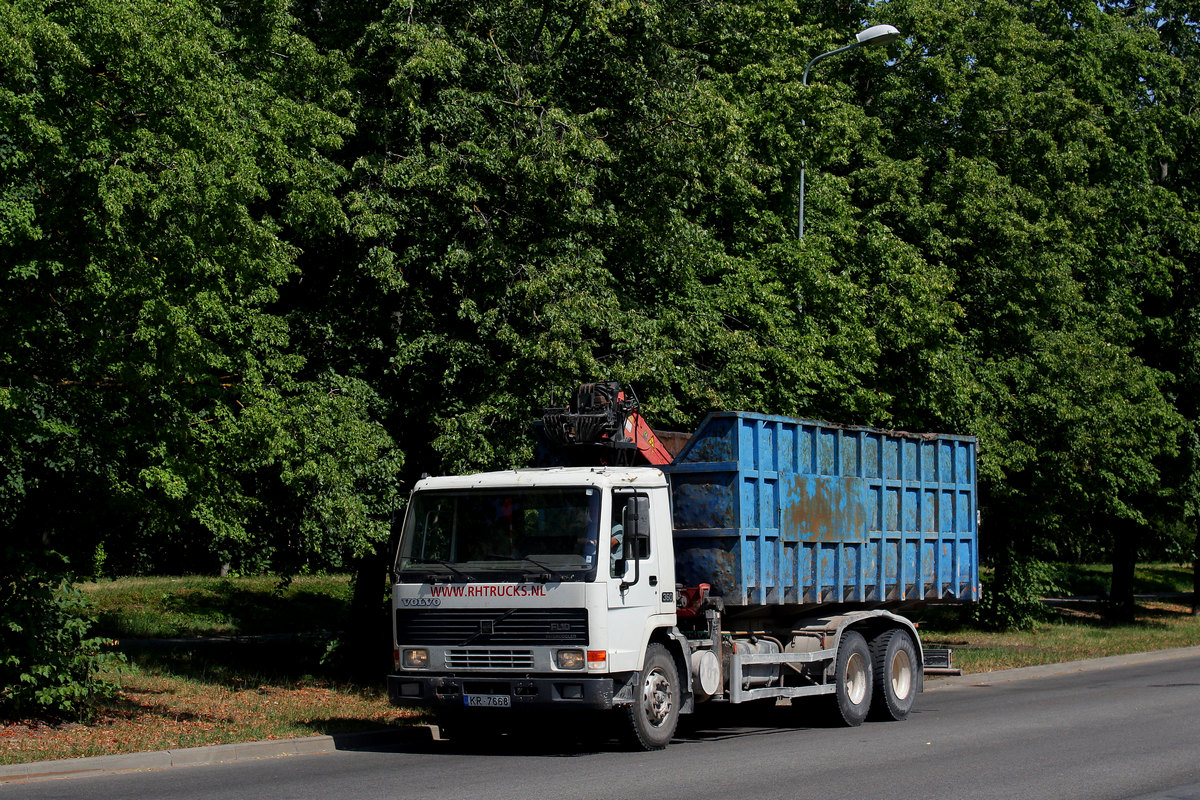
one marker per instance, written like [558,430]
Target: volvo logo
[421,601]
[487,627]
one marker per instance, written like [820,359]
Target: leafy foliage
[262,271]
[153,400]
[1012,594]
[50,660]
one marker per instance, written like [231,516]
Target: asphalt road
[1123,731]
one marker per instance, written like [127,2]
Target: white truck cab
[533,588]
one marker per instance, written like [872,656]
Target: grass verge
[166,712]
[206,692]
[173,607]
[1072,630]
[245,661]
[1074,626]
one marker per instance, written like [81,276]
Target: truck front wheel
[895,663]
[854,679]
[652,718]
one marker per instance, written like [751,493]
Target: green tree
[1174,344]
[252,254]
[546,193]
[1033,133]
[155,158]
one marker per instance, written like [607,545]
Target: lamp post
[875,35]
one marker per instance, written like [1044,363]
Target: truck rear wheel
[654,715]
[894,659]
[854,679]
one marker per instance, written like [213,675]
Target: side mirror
[637,529]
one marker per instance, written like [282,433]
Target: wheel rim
[856,678]
[656,697]
[901,673]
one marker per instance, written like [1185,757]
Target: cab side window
[623,507]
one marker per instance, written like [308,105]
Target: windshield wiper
[432,578]
[544,577]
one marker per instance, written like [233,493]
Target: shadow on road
[570,736]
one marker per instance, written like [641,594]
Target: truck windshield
[499,535]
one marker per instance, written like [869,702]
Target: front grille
[489,659]
[491,626]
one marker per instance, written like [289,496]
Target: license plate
[488,700]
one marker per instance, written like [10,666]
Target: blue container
[777,511]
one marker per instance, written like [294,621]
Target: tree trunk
[1196,574]
[368,648]
[1121,603]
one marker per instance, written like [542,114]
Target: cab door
[638,586]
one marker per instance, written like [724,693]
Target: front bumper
[451,691]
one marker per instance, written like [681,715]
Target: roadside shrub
[49,662]
[1012,594]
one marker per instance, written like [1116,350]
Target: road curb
[1049,670]
[210,754]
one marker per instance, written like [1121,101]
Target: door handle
[654,580]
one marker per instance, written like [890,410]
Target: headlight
[570,659]
[416,659]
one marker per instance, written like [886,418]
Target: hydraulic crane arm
[605,416]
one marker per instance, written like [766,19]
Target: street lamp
[871,37]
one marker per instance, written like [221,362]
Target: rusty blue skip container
[771,511]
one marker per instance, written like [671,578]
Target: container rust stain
[828,510]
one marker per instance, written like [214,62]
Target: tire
[650,722]
[895,662]
[854,680]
